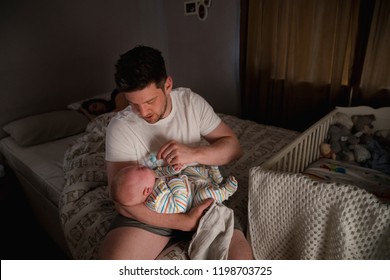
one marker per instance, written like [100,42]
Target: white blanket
[212,238]
[294,217]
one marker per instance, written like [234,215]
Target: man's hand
[223,148]
[177,154]
[195,214]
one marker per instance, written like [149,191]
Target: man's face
[150,103]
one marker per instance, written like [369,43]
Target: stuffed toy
[338,136]
[361,154]
[344,119]
[383,138]
[343,142]
[362,124]
[326,151]
[380,158]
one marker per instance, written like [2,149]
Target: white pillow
[46,127]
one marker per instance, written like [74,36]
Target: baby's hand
[178,167]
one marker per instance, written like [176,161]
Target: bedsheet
[86,209]
[40,164]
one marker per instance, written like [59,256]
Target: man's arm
[184,221]
[224,147]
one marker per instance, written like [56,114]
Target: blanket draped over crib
[294,217]
[86,209]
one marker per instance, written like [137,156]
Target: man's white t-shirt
[130,138]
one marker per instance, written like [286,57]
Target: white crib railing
[296,156]
[304,150]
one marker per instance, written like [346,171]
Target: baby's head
[132,185]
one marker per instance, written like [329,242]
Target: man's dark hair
[138,68]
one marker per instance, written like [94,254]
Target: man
[170,124]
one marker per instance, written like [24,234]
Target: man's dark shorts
[122,221]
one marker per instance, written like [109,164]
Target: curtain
[297,58]
[374,87]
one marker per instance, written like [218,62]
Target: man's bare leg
[239,247]
[131,243]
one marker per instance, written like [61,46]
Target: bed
[63,174]
[35,153]
[296,211]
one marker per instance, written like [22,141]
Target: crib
[296,156]
[293,216]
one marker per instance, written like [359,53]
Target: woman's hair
[140,67]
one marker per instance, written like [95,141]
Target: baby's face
[144,175]
[137,184]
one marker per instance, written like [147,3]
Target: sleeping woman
[92,108]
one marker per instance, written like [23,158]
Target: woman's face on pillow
[97,108]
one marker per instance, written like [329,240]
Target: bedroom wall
[56,52]
[204,55]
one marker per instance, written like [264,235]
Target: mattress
[41,164]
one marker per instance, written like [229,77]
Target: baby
[166,190]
